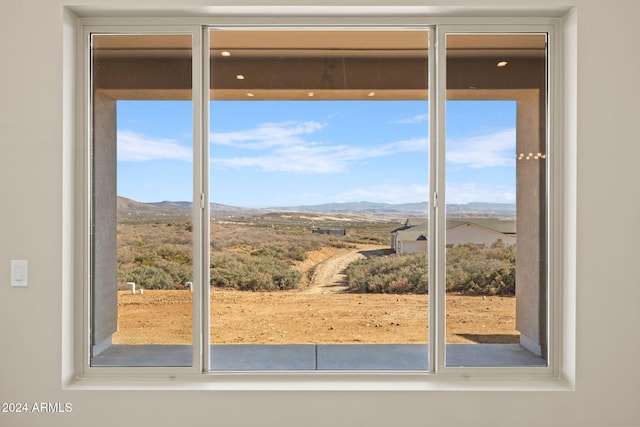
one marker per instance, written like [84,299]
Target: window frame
[439,376]
[197,216]
[553,195]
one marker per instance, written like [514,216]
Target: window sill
[328,381]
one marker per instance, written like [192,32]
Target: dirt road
[328,276]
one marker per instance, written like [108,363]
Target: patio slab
[319,357]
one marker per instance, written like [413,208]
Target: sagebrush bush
[252,272]
[155,256]
[284,252]
[148,277]
[476,269]
[390,274]
[471,269]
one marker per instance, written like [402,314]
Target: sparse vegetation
[258,253]
[476,269]
[248,252]
[394,274]
[471,269]
[252,272]
[155,255]
[265,252]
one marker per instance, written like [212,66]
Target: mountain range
[133,209]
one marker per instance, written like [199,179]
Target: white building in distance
[413,236]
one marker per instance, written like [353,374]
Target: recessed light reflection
[250,95]
[225,53]
[240,77]
[502,63]
[371,94]
[531,156]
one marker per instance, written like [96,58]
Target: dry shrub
[389,274]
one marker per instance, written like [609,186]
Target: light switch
[19,272]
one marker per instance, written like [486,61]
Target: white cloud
[422,118]
[136,147]
[284,150]
[316,158]
[492,150]
[267,135]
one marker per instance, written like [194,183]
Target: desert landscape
[320,308]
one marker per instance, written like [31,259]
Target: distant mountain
[408,209]
[172,205]
[483,209]
[218,208]
[420,208]
[131,209]
[128,208]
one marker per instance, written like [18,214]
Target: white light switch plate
[19,272]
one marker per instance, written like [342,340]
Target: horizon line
[322,203]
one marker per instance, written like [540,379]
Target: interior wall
[38,192]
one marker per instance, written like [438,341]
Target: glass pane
[142,186]
[319,143]
[495,190]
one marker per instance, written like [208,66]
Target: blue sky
[286,153]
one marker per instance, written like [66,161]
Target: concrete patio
[320,357]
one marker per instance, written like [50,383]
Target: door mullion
[204,183]
[438,222]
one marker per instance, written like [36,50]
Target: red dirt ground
[165,317]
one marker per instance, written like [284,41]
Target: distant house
[408,231]
[331,231]
[413,239]
[461,232]
[484,231]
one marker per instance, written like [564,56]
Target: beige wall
[459,235]
[469,233]
[38,190]
[411,246]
